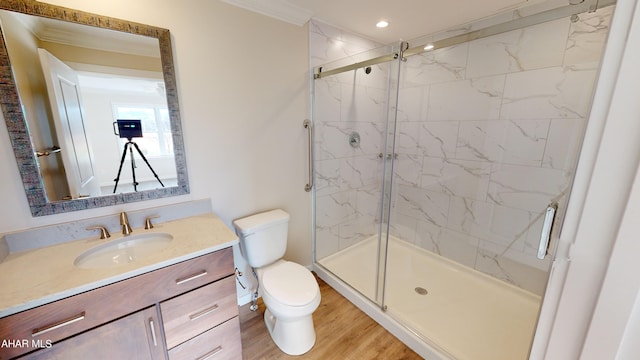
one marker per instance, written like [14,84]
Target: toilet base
[293,336]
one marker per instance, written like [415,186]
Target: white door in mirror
[68,115]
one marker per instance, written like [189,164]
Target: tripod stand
[130,144]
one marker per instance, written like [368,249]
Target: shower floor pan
[466,313]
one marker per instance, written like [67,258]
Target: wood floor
[342,332]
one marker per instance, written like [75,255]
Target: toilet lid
[290,284]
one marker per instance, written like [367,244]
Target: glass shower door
[351,127]
[487,136]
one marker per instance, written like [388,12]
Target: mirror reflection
[75,82]
[78,86]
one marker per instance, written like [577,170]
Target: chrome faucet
[124,221]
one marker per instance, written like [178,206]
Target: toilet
[289,291]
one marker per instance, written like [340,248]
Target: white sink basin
[123,251]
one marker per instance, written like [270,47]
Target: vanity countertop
[40,276]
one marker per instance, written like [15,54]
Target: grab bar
[307,125]
[545,236]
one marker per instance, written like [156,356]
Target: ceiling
[408,19]
[69,33]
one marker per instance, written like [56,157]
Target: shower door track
[520,23]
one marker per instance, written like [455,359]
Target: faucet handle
[147,222]
[104,233]
[124,221]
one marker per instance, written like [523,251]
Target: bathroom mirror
[67,77]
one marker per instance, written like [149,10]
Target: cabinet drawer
[61,319]
[220,343]
[198,311]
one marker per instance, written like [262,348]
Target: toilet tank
[263,237]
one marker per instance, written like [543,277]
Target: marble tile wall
[487,135]
[347,178]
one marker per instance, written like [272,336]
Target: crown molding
[279,9]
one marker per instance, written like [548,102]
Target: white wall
[243,91]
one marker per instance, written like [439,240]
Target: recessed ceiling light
[382,24]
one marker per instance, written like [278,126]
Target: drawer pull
[190,277]
[210,354]
[58,325]
[153,332]
[204,312]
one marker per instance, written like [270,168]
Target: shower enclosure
[440,165]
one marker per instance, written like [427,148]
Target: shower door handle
[307,125]
[547,225]
[389,156]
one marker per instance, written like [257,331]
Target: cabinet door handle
[210,354]
[185,279]
[57,325]
[204,312]
[153,332]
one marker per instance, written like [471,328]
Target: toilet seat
[290,284]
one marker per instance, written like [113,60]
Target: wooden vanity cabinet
[125,317]
[136,336]
[220,343]
[187,316]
